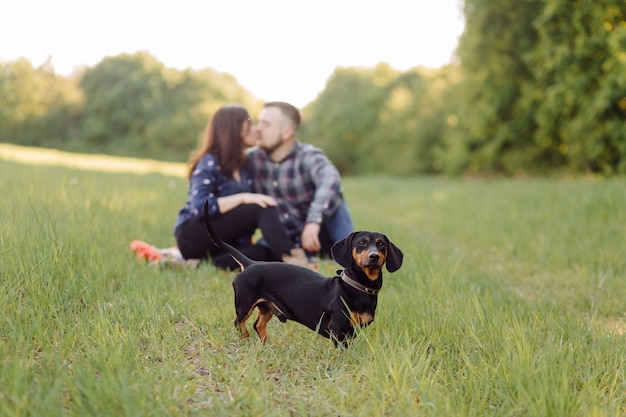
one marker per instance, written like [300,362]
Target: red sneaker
[146,251]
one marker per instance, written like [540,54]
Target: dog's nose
[374,256]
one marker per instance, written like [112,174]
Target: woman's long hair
[222,137]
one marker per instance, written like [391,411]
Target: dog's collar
[367,290]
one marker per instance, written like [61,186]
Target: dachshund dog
[331,306]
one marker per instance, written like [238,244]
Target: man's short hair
[290,111]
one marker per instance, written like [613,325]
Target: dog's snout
[374,256]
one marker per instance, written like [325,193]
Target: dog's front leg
[341,336]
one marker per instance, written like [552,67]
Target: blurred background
[475,87]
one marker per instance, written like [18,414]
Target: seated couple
[289,190]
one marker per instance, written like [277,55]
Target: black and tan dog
[333,307]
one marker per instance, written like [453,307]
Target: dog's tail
[239,257]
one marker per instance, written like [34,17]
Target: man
[300,177]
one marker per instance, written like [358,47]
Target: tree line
[539,87]
[128,105]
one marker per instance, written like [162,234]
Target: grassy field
[511,302]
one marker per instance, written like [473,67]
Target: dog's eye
[380,244]
[362,243]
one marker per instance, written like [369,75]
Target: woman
[218,173]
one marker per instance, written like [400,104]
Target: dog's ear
[342,251]
[394,257]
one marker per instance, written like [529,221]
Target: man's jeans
[333,229]
[336,228]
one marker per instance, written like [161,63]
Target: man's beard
[271,149]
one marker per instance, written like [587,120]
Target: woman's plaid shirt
[306,185]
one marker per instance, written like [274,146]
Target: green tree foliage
[379,120]
[413,121]
[129,104]
[19,96]
[120,95]
[577,92]
[497,36]
[544,87]
[36,106]
[343,115]
[135,105]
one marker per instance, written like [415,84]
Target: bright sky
[277,49]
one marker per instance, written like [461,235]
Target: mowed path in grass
[94,162]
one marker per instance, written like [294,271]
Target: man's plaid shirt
[306,185]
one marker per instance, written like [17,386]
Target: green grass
[511,302]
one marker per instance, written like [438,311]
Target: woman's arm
[207,183]
[227,203]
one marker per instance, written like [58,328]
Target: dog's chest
[358,312]
[360,319]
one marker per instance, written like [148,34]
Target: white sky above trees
[277,49]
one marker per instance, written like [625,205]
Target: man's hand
[310,238]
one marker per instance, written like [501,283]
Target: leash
[367,290]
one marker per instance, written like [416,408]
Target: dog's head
[369,251]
